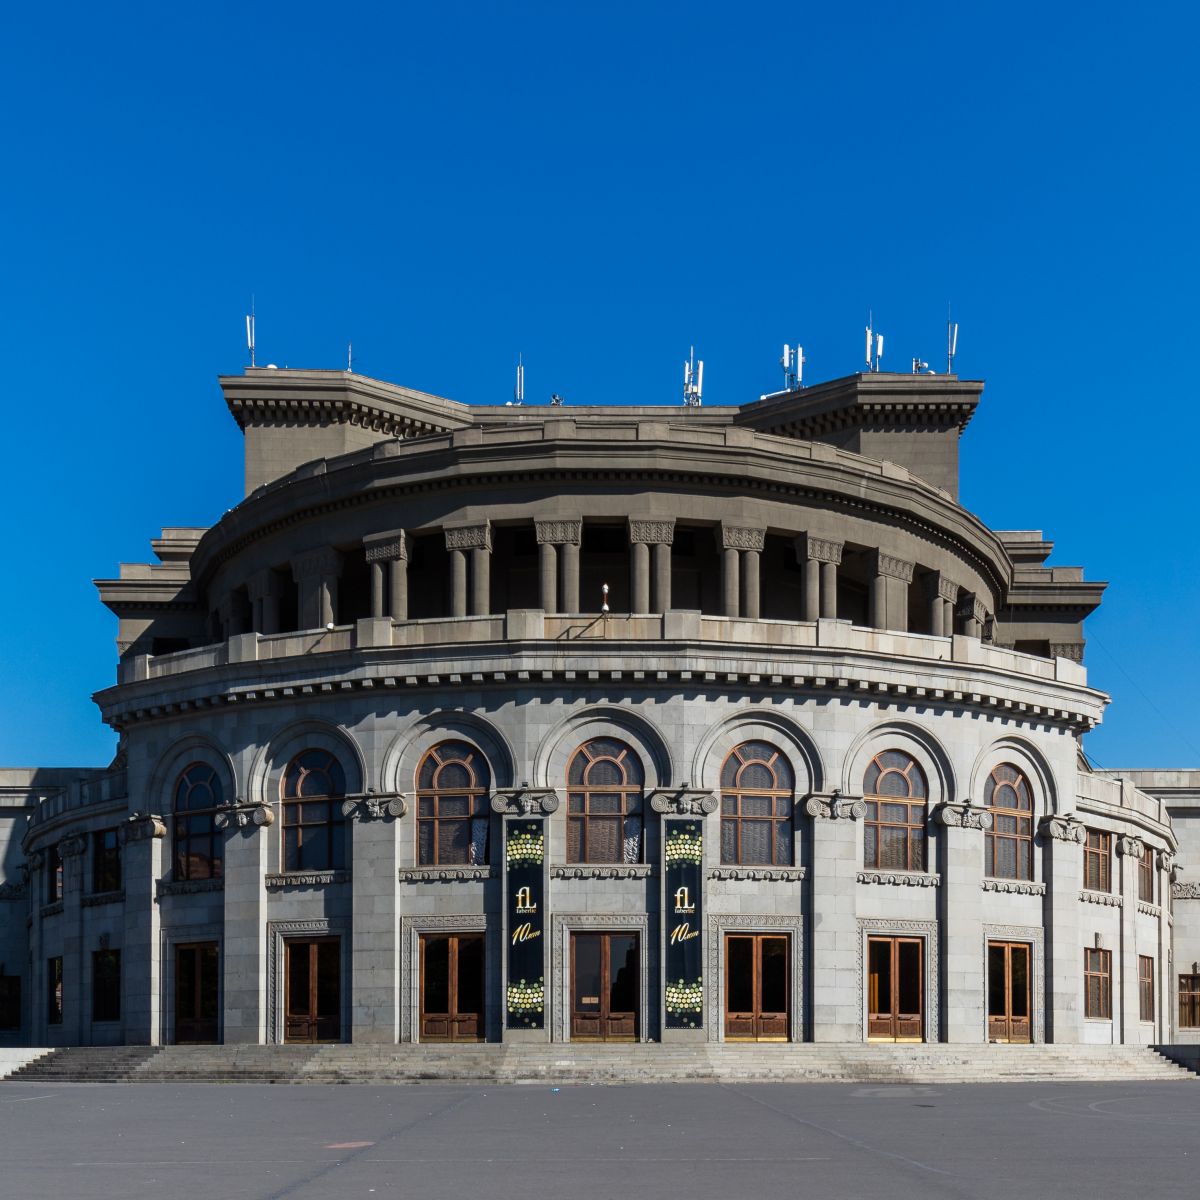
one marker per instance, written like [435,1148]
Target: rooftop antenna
[250,331]
[919,366]
[874,344]
[792,363]
[519,390]
[951,342]
[349,357]
[693,380]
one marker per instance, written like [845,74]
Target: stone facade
[689,586]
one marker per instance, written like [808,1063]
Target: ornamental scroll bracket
[374,806]
[243,813]
[1063,829]
[964,816]
[142,827]
[525,801]
[834,806]
[683,802]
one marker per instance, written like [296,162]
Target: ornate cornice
[243,813]
[602,871]
[313,564]
[683,802]
[924,879]
[558,532]
[385,547]
[759,874]
[142,827]
[1017,887]
[188,887]
[525,802]
[294,879]
[739,537]
[1104,899]
[651,533]
[833,806]
[374,806]
[819,549]
[447,874]
[469,537]
[892,567]
[964,816]
[1063,829]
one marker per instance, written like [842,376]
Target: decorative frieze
[374,806]
[737,537]
[602,871]
[833,806]
[142,827]
[892,567]
[964,816]
[1149,910]
[525,802]
[241,814]
[1104,899]
[188,887]
[758,874]
[682,802]
[463,873]
[1016,887]
[293,879]
[936,584]
[386,547]
[1185,891]
[558,533]
[469,537]
[818,549]
[1063,829]
[922,879]
[651,533]
[1071,650]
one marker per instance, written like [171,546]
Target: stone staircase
[611,1064]
[13,1059]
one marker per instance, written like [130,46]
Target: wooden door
[452,987]
[1009,992]
[604,987]
[197,990]
[895,989]
[757,987]
[313,1004]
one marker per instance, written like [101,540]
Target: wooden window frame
[431,797]
[994,837]
[1145,988]
[189,863]
[632,796]
[1146,876]
[1097,852]
[294,802]
[917,807]
[55,991]
[106,861]
[781,797]
[1189,1001]
[1097,964]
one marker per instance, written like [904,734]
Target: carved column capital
[1063,829]
[834,806]
[818,549]
[142,827]
[71,847]
[964,816]
[558,533]
[1130,847]
[36,858]
[1071,650]
[313,564]
[476,536]
[937,585]
[683,802]
[651,533]
[525,802]
[891,566]
[241,814]
[386,547]
[375,806]
[741,537]
[261,584]
[972,609]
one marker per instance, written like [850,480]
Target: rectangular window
[54,875]
[1097,857]
[10,1002]
[1097,989]
[1146,876]
[54,990]
[894,835]
[1146,987]
[106,985]
[1189,1002]
[106,861]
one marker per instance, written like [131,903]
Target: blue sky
[597,187]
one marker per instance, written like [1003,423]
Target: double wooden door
[1008,992]
[604,987]
[197,991]
[452,987]
[313,1003]
[895,989]
[757,991]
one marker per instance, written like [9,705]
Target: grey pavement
[1002,1141]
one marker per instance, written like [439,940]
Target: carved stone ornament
[1063,829]
[736,537]
[460,874]
[1106,899]
[242,814]
[892,567]
[1016,887]
[1166,860]
[901,878]
[833,806]
[386,547]
[289,879]
[598,871]
[972,609]
[558,533]
[36,858]
[938,585]
[525,802]
[651,533]
[759,874]
[818,549]
[964,816]
[1131,847]
[188,887]
[142,827]
[1185,891]
[682,802]
[1071,650]
[11,891]
[469,537]
[315,563]
[72,846]
[374,806]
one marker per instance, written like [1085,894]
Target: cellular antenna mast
[250,331]
[693,380]
[951,343]
[519,390]
[792,363]
[874,345]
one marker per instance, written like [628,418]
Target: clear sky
[597,187]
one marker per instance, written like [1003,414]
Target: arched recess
[1026,758]
[266,773]
[551,758]
[763,726]
[398,767]
[194,748]
[901,735]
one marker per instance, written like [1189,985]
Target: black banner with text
[683,864]
[524,855]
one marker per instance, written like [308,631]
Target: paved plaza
[997,1142]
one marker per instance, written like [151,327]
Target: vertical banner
[683,865]
[524,885]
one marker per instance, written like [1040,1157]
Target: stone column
[964,980]
[244,951]
[812,587]
[972,615]
[941,593]
[730,582]
[264,601]
[548,576]
[316,574]
[141,840]
[837,1012]
[77,963]
[1127,1008]
[477,540]
[1063,839]
[642,535]
[559,562]
[375,952]
[737,542]
[889,591]
[570,576]
[458,582]
[751,583]
[821,558]
[387,554]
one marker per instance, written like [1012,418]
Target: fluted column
[890,580]
[644,534]
[387,554]
[316,574]
[558,561]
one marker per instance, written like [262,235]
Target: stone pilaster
[964,985]
[890,579]
[1063,839]
[141,838]
[316,574]
[1126,993]
[643,535]
[77,984]
[387,555]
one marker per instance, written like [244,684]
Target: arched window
[314,830]
[757,786]
[604,803]
[895,794]
[452,815]
[1009,842]
[199,844]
